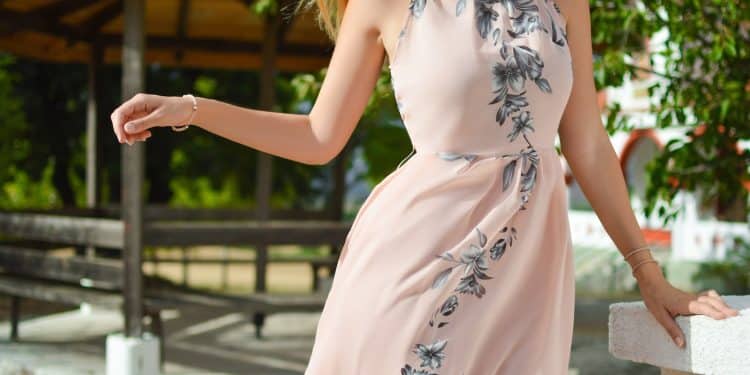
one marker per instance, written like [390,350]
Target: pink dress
[459,262]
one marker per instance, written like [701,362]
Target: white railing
[711,346]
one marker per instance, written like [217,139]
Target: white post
[132,355]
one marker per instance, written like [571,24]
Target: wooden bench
[258,304]
[34,274]
[263,304]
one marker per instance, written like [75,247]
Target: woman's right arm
[313,138]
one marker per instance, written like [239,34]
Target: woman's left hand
[665,302]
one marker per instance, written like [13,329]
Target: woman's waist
[504,150]
[526,152]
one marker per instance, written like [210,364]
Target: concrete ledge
[712,346]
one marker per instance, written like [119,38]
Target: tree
[705,88]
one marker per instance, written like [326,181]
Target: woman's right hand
[132,120]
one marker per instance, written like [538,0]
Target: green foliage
[707,90]
[704,89]
[20,191]
[618,29]
[386,141]
[212,171]
[379,132]
[18,188]
[201,179]
[264,7]
[14,147]
[707,82]
[730,275]
[200,193]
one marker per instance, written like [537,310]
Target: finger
[671,326]
[118,117]
[139,125]
[700,306]
[142,136]
[145,135]
[716,301]
[132,137]
[137,106]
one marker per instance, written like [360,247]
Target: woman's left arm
[592,159]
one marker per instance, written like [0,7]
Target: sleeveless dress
[459,262]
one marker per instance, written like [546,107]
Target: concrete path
[203,341]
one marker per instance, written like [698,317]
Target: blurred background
[236,248]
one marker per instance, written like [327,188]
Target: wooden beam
[244,233]
[61,229]
[157,212]
[18,21]
[133,77]
[258,302]
[56,292]
[109,232]
[102,17]
[103,274]
[60,8]
[47,17]
[224,45]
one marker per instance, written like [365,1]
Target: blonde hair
[329,14]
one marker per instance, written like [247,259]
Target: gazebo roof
[192,33]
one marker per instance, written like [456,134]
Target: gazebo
[219,34]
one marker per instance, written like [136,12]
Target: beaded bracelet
[635,251]
[192,115]
[642,263]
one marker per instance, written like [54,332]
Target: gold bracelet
[646,247]
[642,263]
[192,115]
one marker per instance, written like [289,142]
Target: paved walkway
[223,342]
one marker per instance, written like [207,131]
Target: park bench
[77,274]
[34,274]
[259,304]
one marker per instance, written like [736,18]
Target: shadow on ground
[201,341]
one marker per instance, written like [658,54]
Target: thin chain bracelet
[642,263]
[192,115]
[635,251]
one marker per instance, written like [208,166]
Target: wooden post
[183,252]
[264,174]
[15,316]
[272,25]
[92,145]
[133,77]
[224,268]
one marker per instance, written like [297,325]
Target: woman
[460,260]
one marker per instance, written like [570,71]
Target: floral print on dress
[516,67]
